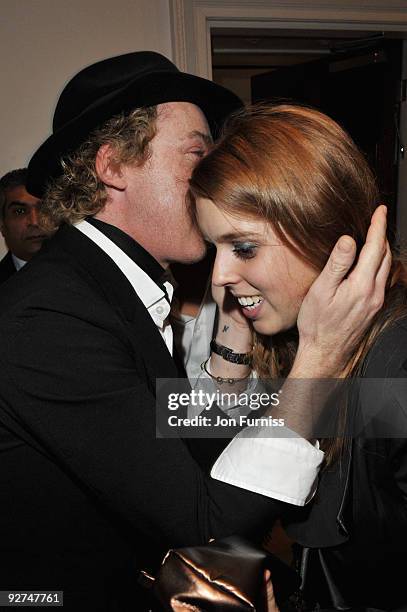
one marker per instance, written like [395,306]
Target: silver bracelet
[219,379]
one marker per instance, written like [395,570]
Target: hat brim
[215,101]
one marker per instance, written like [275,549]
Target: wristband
[229,355]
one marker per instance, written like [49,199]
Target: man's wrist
[313,362]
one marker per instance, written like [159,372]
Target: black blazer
[7,268]
[87,492]
[355,530]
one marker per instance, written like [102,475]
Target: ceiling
[237,48]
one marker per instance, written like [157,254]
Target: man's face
[19,225]
[158,190]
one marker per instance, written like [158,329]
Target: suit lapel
[143,333]
[7,267]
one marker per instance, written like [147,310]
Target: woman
[273,196]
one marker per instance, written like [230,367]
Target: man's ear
[108,169]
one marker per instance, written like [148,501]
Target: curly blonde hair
[79,192]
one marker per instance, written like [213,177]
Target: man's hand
[338,308]
[271,604]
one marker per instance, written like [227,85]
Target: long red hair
[297,169]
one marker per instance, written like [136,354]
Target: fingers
[383,273]
[337,267]
[271,604]
[373,261]
[374,249]
[381,279]
[339,306]
[373,266]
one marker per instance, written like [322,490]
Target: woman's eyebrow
[231,236]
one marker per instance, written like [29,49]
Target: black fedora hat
[115,85]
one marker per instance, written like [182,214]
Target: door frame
[192,21]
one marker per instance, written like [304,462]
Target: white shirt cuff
[284,468]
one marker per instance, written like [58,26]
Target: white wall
[44,42]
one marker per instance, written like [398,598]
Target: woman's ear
[108,169]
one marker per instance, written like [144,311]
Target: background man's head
[19,216]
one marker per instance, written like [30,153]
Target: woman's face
[268,279]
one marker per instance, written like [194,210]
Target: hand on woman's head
[339,307]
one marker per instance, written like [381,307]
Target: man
[19,222]
[89,495]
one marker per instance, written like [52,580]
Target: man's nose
[225,271]
[33,217]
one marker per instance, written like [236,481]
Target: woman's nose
[225,272]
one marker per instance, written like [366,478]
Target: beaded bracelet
[219,379]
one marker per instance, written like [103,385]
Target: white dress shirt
[18,263]
[284,468]
[192,335]
[149,293]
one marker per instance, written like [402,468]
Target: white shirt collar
[152,296]
[145,287]
[18,263]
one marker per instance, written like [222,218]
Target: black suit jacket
[7,268]
[87,492]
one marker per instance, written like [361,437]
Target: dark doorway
[353,76]
[358,88]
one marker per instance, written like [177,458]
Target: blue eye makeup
[244,250]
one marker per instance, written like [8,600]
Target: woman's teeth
[250,302]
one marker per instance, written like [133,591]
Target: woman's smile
[250,305]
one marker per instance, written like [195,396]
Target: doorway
[354,76]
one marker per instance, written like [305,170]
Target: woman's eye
[244,251]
